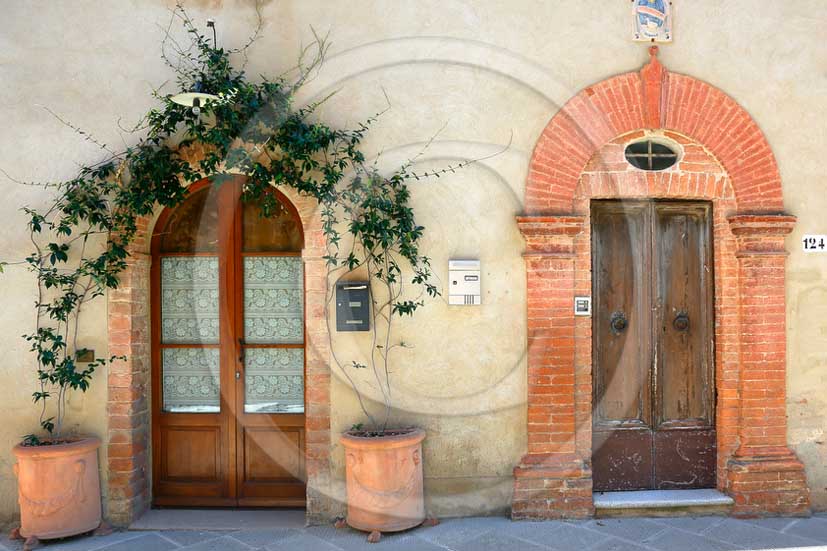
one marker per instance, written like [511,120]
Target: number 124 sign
[815,243]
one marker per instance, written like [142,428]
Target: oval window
[651,155]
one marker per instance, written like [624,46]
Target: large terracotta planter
[58,489]
[384,481]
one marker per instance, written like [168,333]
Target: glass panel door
[273,318]
[190,362]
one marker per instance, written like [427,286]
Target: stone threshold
[219,519]
[661,499]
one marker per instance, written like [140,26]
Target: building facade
[696,269]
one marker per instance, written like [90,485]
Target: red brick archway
[726,160]
[127,488]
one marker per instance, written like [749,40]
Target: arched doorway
[579,159]
[228,352]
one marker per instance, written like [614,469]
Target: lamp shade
[187,99]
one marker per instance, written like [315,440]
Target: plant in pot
[58,478]
[384,473]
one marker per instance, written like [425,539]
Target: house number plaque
[815,243]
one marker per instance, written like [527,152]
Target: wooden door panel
[272,455]
[620,274]
[684,458]
[622,460]
[273,466]
[683,315]
[192,453]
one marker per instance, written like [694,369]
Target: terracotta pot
[384,481]
[58,488]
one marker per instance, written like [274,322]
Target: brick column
[552,480]
[128,400]
[320,508]
[764,475]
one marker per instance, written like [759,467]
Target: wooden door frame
[128,461]
[726,159]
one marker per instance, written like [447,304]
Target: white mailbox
[464,282]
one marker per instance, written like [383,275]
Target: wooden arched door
[228,352]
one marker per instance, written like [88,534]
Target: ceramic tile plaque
[652,20]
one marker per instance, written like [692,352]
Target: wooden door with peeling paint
[654,384]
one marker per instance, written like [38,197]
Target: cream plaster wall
[477,74]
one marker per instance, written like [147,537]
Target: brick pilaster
[128,381]
[552,480]
[765,476]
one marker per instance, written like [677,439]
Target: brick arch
[579,157]
[653,98]
[128,486]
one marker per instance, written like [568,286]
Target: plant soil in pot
[384,479]
[58,488]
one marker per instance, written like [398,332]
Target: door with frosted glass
[228,353]
[269,325]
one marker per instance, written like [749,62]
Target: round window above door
[652,155]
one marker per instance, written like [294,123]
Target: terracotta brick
[728,161]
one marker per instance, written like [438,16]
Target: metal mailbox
[352,306]
[464,286]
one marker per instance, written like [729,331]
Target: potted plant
[383,463]
[57,475]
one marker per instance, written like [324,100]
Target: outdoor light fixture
[196,98]
[193,99]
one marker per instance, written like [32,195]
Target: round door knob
[681,321]
[618,322]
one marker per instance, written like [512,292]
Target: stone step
[662,503]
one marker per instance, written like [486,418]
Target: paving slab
[219,519]
[140,543]
[451,532]
[224,543]
[636,530]
[697,525]
[483,534]
[575,536]
[497,541]
[814,528]
[773,523]
[303,542]
[751,536]
[191,537]
[679,540]
[263,538]
[616,544]
[90,543]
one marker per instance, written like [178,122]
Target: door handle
[681,321]
[618,322]
[241,350]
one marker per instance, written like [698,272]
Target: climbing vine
[81,239]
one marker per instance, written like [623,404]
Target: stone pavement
[485,534]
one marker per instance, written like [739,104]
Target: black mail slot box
[352,306]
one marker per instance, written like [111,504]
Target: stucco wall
[478,73]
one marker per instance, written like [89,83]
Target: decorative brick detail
[552,486]
[630,102]
[552,481]
[128,406]
[726,160]
[765,476]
